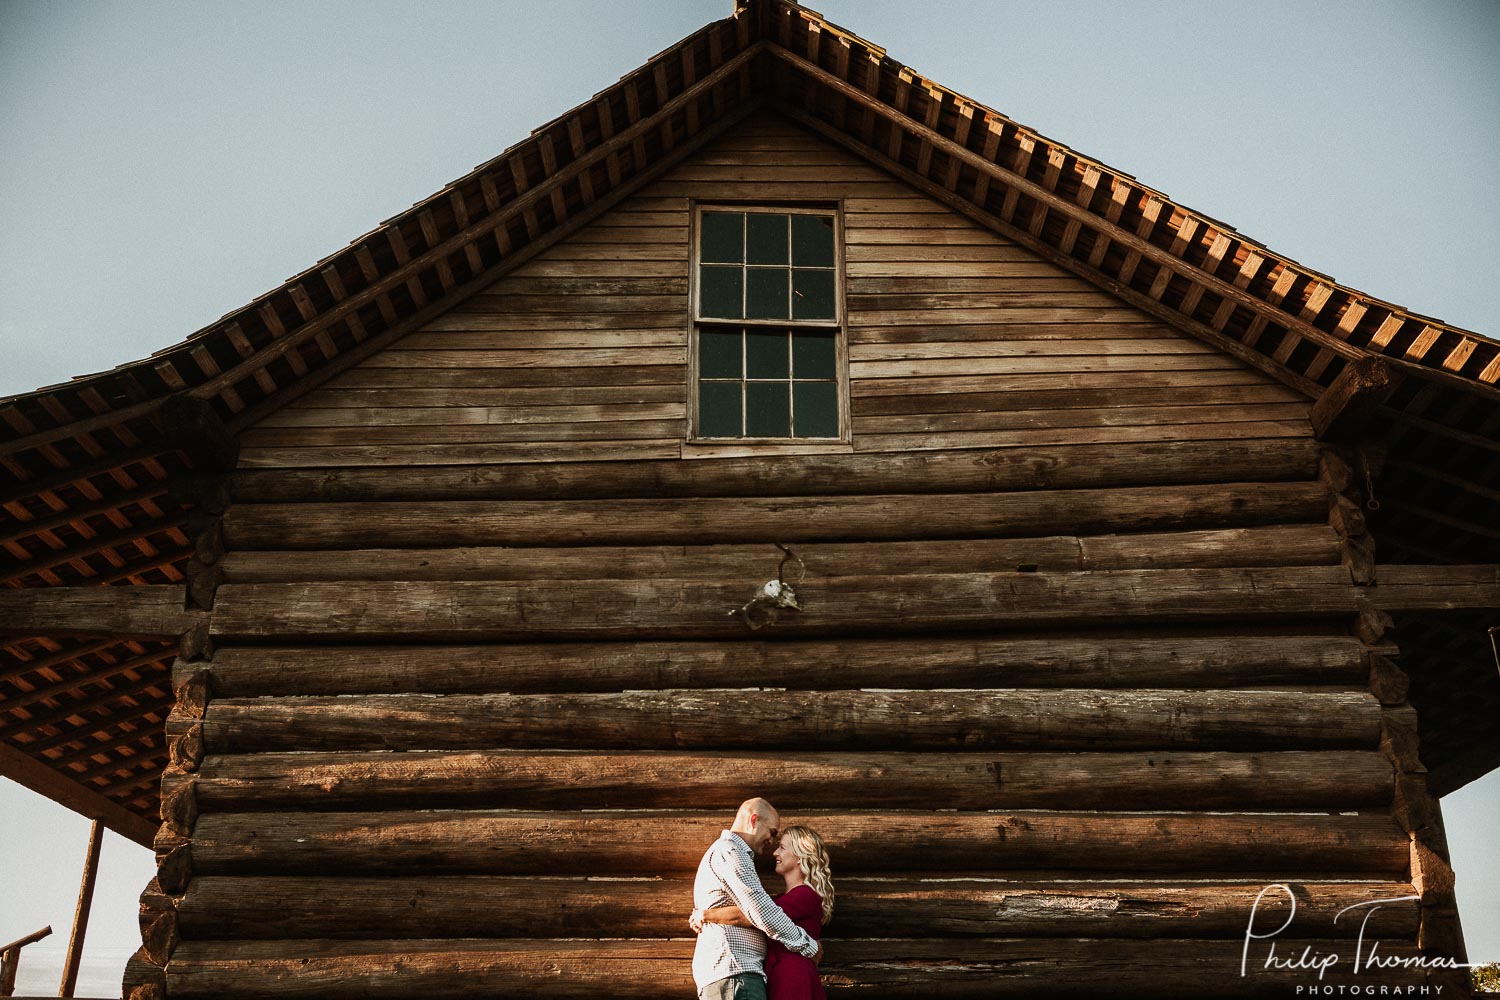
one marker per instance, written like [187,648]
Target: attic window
[768,326]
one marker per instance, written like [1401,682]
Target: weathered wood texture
[503,842]
[1269,545]
[697,521]
[1198,660]
[269,907]
[1074,718]
[971,470]
[582,352]
[561,779]
[918,969]
[146,611]
[643,609]
[1075,663]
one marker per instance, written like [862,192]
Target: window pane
[812,241]
[767,410]
[817,411]
[812,294]
[766,354]
[719,353]
[765,239]
[766,296]
[719,292]
[723,237]
[813,355]
[719,409]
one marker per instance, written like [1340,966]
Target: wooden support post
[10,959]
[1347,405]
[81,914]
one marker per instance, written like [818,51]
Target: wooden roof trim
[1021,236]
[1205,243]
[140,689]
[68,655]
[1197,232]
[532,196]
[103,673]
[67,791]
[275,325]
[379,342]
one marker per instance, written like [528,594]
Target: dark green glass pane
[718,409]
[765,239]
[817,411]
[722,239]
[719,292]
[766,294]
[719,354]
[813,355]
[812,241]
[812,294]
[767,410]
[765,354]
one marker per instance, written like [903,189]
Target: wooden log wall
[1084,665]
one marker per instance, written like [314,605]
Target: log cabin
[410,611]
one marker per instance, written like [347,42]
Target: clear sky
[162,163]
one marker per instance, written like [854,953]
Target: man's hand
[695,921]
[818,958]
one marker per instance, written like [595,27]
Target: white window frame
[838,325]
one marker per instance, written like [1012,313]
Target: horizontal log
[1436,588]
[1008,400]
[585,609]
[610,842]
[1334,779]
[698,520]
[455,413]
[1057,467]
[594,433]
[146,611]
[921,440]
[900,968]
[222,907]
[1071,718]
[840,605]
[1271,545]
[1049,381]
[399,455]
[1238,659]
[1079,417]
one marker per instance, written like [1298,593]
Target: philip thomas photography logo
[1362,967]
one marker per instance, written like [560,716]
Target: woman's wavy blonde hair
[808,848]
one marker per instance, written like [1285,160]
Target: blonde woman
[802,861]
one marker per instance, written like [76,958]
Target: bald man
[729,961]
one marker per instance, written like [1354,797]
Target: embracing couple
[734,915]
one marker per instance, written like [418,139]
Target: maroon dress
[790,976]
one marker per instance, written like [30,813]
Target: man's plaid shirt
[726,876]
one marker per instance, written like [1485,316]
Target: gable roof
[93,467]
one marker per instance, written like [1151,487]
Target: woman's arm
[727,915]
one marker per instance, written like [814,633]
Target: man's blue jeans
[745,986]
